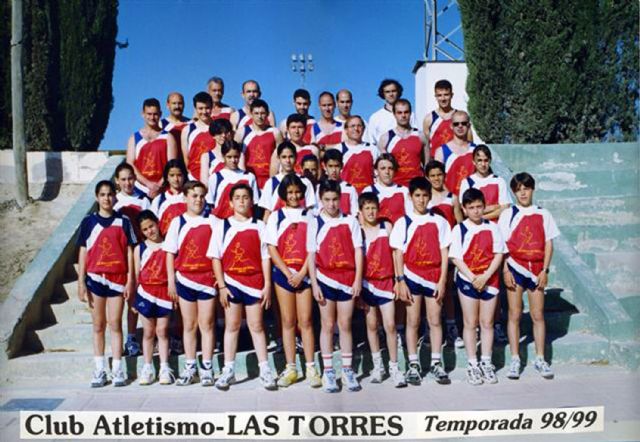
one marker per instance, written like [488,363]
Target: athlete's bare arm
[172,147]
[234,118]
[426,126]
[439,156]
[272,119]
[131,157]
[383,141]
[425,149]
[238,136]
[185,149]
[204,168]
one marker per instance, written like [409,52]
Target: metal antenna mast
[442,27]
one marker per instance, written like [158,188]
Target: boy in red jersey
[406,144]
[297,132]
[393,198]
[420,241]
[378,289]
[301,101]
[105,278]
[332,162]
[529,232]
[195,138]
[243,271]
[149,149]
[242,117]
[327,132]
[191,282]
[334,244]
[476,250]
[152,299]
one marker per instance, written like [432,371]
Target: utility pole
[302,65]
[17,105]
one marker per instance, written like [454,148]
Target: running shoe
[329,383]
[188,376]
[474,375]
[349,380]
[147,375]
[227,378]
[439,374]
[543,368]
[268,380]
[377,373]
[413,374]
[206,377]
[397,377]
[166,376]
[118,378]
[488,373]
[514,369]
[288,377]
[99,379]
[315,380]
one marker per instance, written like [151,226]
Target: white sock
[189,363]
[99,361]
[115,364]
[393,365]
[164,365]
[486,359]
[413,358]
[231,365]
[435,358]
[515,357]
[310,365]
[473,362]
[264,366]
[377,358]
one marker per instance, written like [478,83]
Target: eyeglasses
[460,123]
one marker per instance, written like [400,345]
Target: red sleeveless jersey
[150,155]
[457,167]
[153,268]
[423,256]
[407,152]
[440,132]
[379,258]
[199,141]
[358,163]
[258,148]
[444,208]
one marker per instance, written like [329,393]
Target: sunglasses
[460,123]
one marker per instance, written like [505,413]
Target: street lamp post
[302,65]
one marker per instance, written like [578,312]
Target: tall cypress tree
[550,71]
[5,75]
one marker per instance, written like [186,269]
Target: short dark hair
[103,183]
[443,84]
[202,97]
[323,93]
[220,126]
[310,157]
[286,145]
[297,118]
[327,185]
[290,179]
[230,145]
[419,183]
[403,101]
[386,82]
[151,102]
[368,197]
[471,195]
[240,186]
[386,156]
[246,82]
[482,148]
[332,154]
[176,163]
[522,179]
[145,215]
[191,185]
[302,93]
[258,102]
[217,80]
[123,166]
[433,164]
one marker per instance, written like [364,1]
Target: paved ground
[575,385]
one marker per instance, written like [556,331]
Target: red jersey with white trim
[378,278]
[270,200]
[106,241]
[394,201]
[175,129]
[238,245]
[407,151]
[327,138]
[188,238]
[421,238]
[358,161]
[258,148]
[216,164]
[150,155]
[287,231]
[132,205]
[334,241]
[224,113]
[476,245]
[526,231]
[444,208]
[348,199]
[244,119]
[199,141]
[493,187]
[440,131]
[302,152]
[166,207]
[153,265]
[457,167]
[219,190]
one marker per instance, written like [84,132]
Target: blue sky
[178,45]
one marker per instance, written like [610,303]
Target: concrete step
[599,212]
[68,338]
[619,271]
[625,237]
[586,183]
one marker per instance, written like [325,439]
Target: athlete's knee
[537,315]
[256,326]
[486,323]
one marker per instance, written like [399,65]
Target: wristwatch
[400,278]
[546,270]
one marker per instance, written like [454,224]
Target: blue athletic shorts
[373,300]
[418,289]
[334,294]
[149,309]
[466,288]
[280,279]
[191,295]
[100,289]
[240,297]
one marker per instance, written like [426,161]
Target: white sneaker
[474,375]
[329,383]
[147,375]
[413,374]
[397,377]
[206,377]
[459,342]
[377,373]
[439,374]
[514,369]
[188,376]
[166,376]
[488,372]
[543,368]
[118,378]
[99,379]
[227,378]
[268,380]
[349,380]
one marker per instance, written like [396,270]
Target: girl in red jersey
[476,250]
[105,278]
[334,244]
[529,232]
[287,241]
[394,198]
[191,282]
[493,187]
[243,271]
[378,289]
[152,298]
[213,161]
[171,202]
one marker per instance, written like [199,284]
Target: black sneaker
[438,373]
[413,374]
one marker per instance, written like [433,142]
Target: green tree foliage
[550,71]
[68,60]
